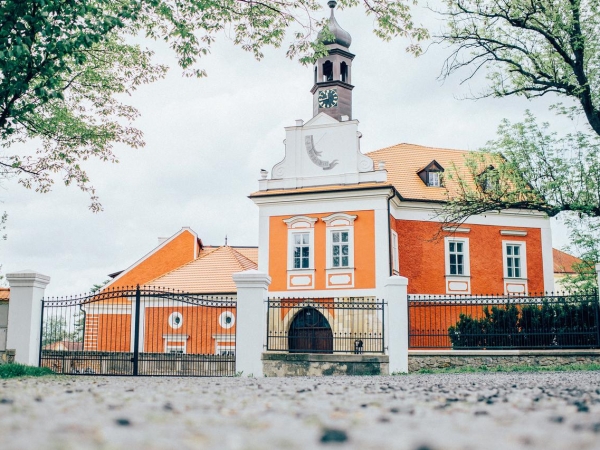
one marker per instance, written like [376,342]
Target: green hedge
[546,325]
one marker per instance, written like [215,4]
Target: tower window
[316,74]
[344,72]
[328,71]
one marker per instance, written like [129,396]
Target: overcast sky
[207,139]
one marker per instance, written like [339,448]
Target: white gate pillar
[397,299]
[24,315]
[251,321]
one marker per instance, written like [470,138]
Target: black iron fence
[135,331]
[351,325]
[504,322]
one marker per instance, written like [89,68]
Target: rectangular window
[457,258]
[340,250]
[301,250]
[395,256]
[433,179]
[174,348]
[513,261]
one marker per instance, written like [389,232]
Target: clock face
[328,98]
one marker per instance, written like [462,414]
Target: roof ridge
[239,257]
[419,145]
[182,266]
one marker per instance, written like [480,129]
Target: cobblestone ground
[466,411]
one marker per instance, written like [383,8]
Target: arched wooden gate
[310,332]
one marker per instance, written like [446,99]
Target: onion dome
[340,36]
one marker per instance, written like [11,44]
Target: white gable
[322,151]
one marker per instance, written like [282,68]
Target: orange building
[337,223]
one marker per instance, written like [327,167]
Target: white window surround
[395,255]
[175,320]
[223,319]
[224,342]
[523,258]
[225,349]
[299,225]
[339,222]
[180,339]
[466,256]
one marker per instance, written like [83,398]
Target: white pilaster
[24,315]
[251,323]
[397,299]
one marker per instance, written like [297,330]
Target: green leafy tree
[55,330]
[528,47]
[529,167]
[64,61]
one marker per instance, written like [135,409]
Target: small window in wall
[316,71]
[344,72]
[327,71]
[177,349]
[175,320]
[395,256]
[227,319]
[340,250]
[457,257]
[514,260]
[301,250]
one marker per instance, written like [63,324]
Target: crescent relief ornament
[314,154]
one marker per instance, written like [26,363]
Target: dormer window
[433,179]
[488,180]
[431,174]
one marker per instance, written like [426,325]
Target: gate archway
[310,332]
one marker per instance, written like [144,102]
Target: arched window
[344,72]
[327,71]
[316,74]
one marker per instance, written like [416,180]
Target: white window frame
[339,222]
[466,256]
[395,254]
[330,243]
[300,225]
[523,258]
[219,348]
[438,176]
[172,338]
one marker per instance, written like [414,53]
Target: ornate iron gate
[139,332]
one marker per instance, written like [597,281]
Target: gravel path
[466,411]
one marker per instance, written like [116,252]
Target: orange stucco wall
[364,250]
[422,260]
[200,325]
[179,251]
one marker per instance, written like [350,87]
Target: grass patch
[485,369]
[21,370]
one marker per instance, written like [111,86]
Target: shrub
[548,324]
[21,370]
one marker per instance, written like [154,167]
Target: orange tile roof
[249,252]
[403,161]
[563,262]
[4,294]
[211,273]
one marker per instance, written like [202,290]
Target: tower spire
[332,91]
